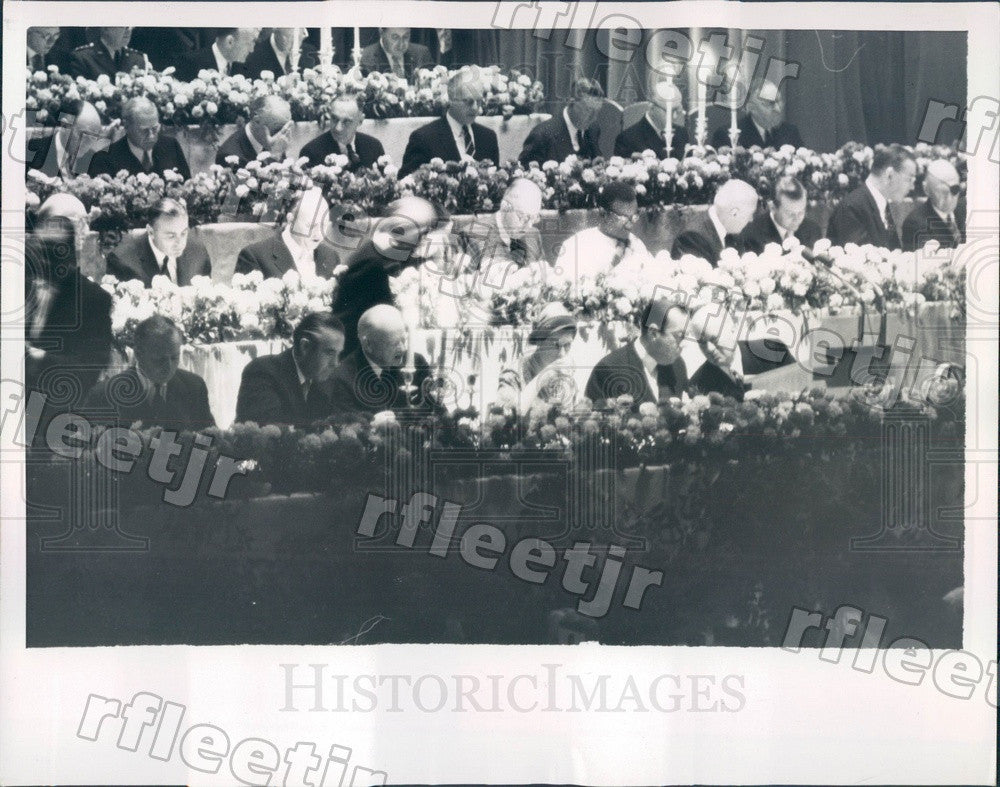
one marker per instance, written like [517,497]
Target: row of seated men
[94,51]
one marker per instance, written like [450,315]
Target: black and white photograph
[394,391]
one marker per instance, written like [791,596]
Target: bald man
[390,244]
[717,228]
[942,216]
[508,237]
[143,148]
[371,378]
[343,138]
[763,124]
[302,245]
[268,130]
[69,150]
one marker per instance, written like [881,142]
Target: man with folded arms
[571,132]
[268,130]
[731,210]
[865,215]
[785,218]
[164,249]
[456,136]
[293,387]
[143,148]
[302,245]
[155,391]
[343,138]
[651,368]
[942,216]
[371,379]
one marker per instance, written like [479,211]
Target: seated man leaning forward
[651,368]
[373,377]
[155,391]
[164,249]
[293,387]
[302,245]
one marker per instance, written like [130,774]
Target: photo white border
[804,720]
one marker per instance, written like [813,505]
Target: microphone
[817,259]
[826,261]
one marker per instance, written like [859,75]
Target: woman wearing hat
[544,376]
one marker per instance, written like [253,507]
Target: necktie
[956,234]
[579,139]
[518,250]
[890,226]
[287,65]
[352,156]
[119,59]
[397,67]
[165,268]
[147,161]
[159,397]
[621,246]
[470,141]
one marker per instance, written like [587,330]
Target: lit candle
[296,47]
[325,46]
[701,125]
[734,126]
[357,47]
[668,130]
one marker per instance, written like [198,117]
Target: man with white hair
[373,377]
[227,55]
[67,152]
[143,148]
[343,137]
[268,130]
[763,124]
[710,232]
[508,238]
[302,245]
[456,136]
[942,216]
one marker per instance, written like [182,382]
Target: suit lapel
[281,257]
[246,148]
[635,362]
[149,264]
[449,138]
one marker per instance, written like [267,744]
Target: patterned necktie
[147,162]
[470,141]
[518,250]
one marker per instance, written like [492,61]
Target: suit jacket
[482,242]
[621,372]
[364,284]
[236,144]
[92,60]
[122,400]
[435,140]
[134,259]
[167,154]
[701,240]
[355,388]
[165,45]
[190,63]
[368,148]
[762,230]
[550,141]
[710,378]
[373,58]
[784,133]
[270,393]
[272,257]
[263,59]
[856,219]
[41,155]
[642,136]
[923,224]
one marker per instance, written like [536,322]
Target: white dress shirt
[220,62]
[572,130]
[720,229]
[282,56]
[148,386]
[649,367]
[303,258]
[783,232]
[395,60]
[139,152]
[159,255]
[457,133]
[880,200]
[590,252]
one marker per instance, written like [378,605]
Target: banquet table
[471,359]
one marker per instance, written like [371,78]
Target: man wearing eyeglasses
[456,136]
[143,148]
[597,250]
[942,216]
[343,138]
[268,131]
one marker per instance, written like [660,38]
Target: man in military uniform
[108,55]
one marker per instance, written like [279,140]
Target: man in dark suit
[302,245]
[227,55]
[712,355]
[154,391]
[143,148]
[164,249]
[864,215]
[942,216]
[456,136]
[343,138]
[268,130]
[394,53]
[389,247]
[68,151]
[648,133]
[109,55]
[40,44]
[68,337]
[276,53]
[164,46]
[762,125]
[785,216]
[371,378]
[710,232]
[569,132]
[293,387]
[650,369]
